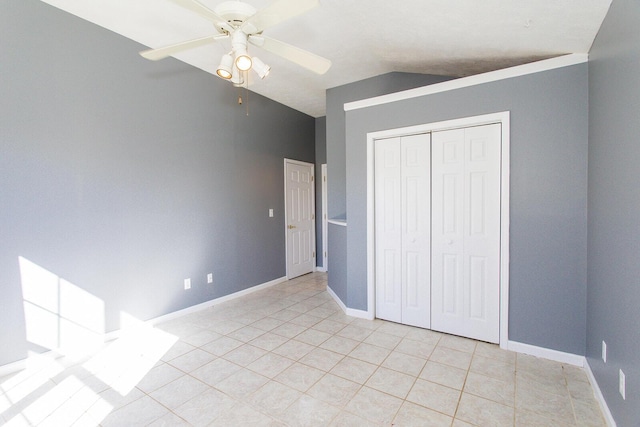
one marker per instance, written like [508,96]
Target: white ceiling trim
[478,79]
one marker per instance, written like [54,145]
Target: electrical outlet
[210,278]
[604,351]
[187,284]
[622,386]
[270,213]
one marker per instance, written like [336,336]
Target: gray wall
[337,162]
[337,274]
[549,113]
[321,157]
[335,133]
[125,176]
[614,208]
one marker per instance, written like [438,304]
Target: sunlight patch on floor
[123,363]
[65,385]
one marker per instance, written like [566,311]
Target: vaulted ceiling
[365,38]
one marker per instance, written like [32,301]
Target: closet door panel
[447,227]
[482,232]
[416,230]
[388,229]
[465,249]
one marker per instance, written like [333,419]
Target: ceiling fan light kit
[260,67]
[225,69]
[243,61]
[237,78]
[239,48]
[243,24]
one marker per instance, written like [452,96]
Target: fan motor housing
[234,12]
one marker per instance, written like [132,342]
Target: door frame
[313,212]
[504,119]
[325,219]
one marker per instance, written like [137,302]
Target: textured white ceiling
[368,38]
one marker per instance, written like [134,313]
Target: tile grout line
[265,301]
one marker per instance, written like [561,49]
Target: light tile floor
[288,356]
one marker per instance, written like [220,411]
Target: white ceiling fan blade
[166,51]
[276,12]
[204,11]
[308,60]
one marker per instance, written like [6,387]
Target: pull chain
[247,88]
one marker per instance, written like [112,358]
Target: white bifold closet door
[465,245]
[402,229]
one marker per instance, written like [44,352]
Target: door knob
[291,226]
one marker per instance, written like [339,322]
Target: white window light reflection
[68,320]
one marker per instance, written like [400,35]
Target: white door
[388,229]
[402,212]
[299,218]
[465,249]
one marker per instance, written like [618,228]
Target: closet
[437,230]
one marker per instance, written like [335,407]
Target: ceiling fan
[243,24]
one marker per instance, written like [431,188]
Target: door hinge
[313,216]
[324,178]
[311,178]
[314,254]
[325,254]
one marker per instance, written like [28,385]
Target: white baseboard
[361,314]
[546,353]
[337,300]
[321,269]
[13,367]
[19,365]
[10,368]
[211,303]
[570,359]
[608,417]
